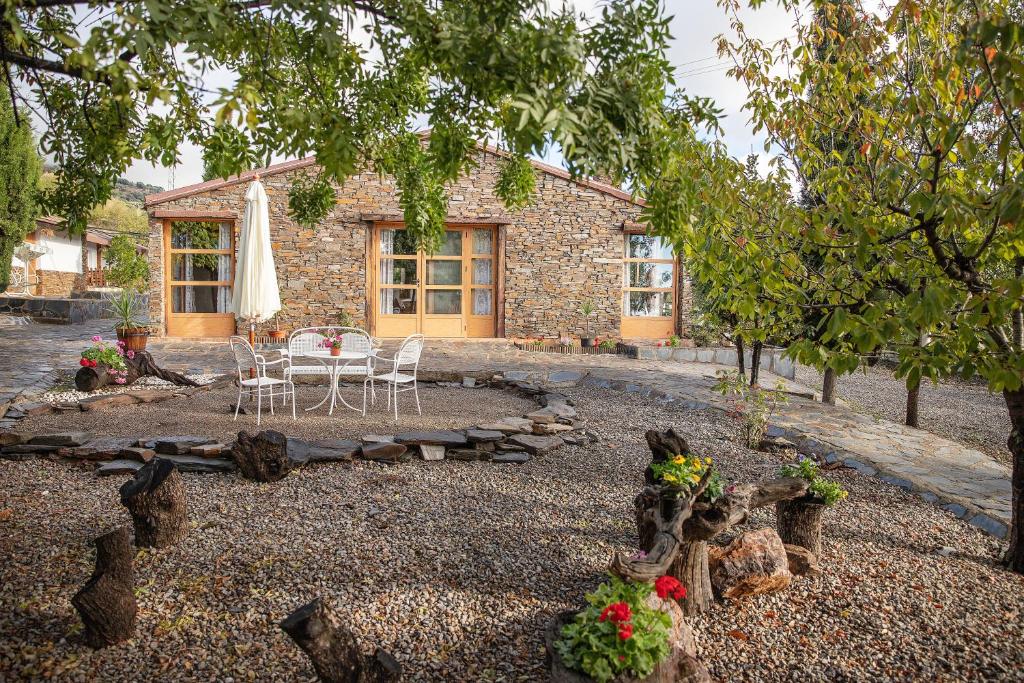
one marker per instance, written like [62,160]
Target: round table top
[344,355]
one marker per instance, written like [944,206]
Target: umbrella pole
[252,343]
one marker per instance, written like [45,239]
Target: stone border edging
[772,360]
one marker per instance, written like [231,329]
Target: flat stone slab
[62,439]
[118,467]
[12,438]
[565,377]
[551,428]
[25,451]
[333,450]
[509,425]
[510,458]
[195,463]
[177,445]
[29,409]
[378,438]
[535,445]
[104,401]
[431,452]
[439,438]
[209,450]
[298,450]
[152,395]
[484,435]
[467,455]
[137,453]
[386,452]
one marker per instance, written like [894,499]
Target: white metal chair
[408,356]
[311,339]
[262,384]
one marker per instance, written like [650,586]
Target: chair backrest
[306,339]
[245,357]
[354,339]
[409,351]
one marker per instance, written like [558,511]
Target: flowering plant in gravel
[619,631]
[752,406]
[827,490]
[102,353]
[683,472]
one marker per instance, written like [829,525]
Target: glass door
[442,312]
[199,269]
[649,286]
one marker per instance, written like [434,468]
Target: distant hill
[129,191]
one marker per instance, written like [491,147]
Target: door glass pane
[200,235]
[201,267]
[483,302]
[444,301]
[642,246]
[451,245]
[397,242]
[200,299]
[482,272]
[483,241]
[444,272]
[398,301]
[647,304]
[397,271]
[649,275]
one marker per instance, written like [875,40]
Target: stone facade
[53,283]
[563,249]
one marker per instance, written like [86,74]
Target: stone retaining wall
[772,360]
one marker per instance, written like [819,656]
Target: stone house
[499,273]
[71,263]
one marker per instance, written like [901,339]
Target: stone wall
[564,248]
[54,283]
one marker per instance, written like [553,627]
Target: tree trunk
[333,648]
[828,387]
[106,602]
[156,500]
[755,363]
[263,457]
[691,568]
[799,523]
[141,365]
[740,363]
[1015,406]
[913,395]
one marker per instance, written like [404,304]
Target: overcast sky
[694,26]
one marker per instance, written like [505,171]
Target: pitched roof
[286,166]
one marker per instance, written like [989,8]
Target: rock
[510,458]
[552,413]
[137,453]
[511,448]
[154,396]
[468,382]
[801,561]
[466,455]
[178,445]
[378,438]
[118,467]
[194,463]
[548,399]
[25,451]
[298,451]
[775,444]
[333,450]
[431,452]
[535,445]
[385,452]
[104,401]
[754,563]
[565,377]
[541,417]
[439,438]
[484,435]
[30,409]
[944,551]
[509,425]
[208,450]
[553,428]
[62,439]
[12,439]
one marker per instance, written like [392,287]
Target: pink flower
[131,354]
[97,338]
[120,380]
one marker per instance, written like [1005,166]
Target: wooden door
[649,288]
[450,293]
[198,274]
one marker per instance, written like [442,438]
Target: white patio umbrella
[255,296]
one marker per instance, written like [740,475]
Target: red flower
[660,344]
[669,586]
[625,631]
[84,362]
[618,612]
[622,658]
[93,364]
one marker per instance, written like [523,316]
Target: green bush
[825,489]
[126,267]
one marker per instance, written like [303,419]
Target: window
[649,275]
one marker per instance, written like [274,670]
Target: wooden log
[691,569]
[140,365]
[333,648]
[799,523]
[263,457]
[156,500]
[106,603]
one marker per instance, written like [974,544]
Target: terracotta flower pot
[134,338]
[335,350]
[278,335]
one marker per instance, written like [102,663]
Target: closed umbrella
[255,297]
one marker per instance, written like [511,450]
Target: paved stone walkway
[964,481]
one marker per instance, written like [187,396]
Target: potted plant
[332,341]
[799,519]
[126,306]
[277,334]
[586,309]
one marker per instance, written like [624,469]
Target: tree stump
[333,648]
[799,523]
[263,457]
[156,500]
[141,365]
[106,602]
[691,569]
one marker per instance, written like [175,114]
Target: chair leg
[416,393]
[270,394]
[292,386]
[259,405]
[238,401]
[364,395]
[396,402]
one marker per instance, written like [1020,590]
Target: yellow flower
[695,478]
[707,460]
[670,478]
[679,460]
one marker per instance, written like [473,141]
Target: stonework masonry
[563,249]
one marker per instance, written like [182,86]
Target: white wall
[65,253]
[90,254]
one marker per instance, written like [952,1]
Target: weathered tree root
[156,500]
[106,602]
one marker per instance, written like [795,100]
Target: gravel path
[962,411]
[455,568]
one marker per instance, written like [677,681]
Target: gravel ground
[456,567]
[209,413]
[962,411]
[65,392]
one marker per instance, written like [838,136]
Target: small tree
[126,267]
[20,169]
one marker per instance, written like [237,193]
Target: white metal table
[334,365]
